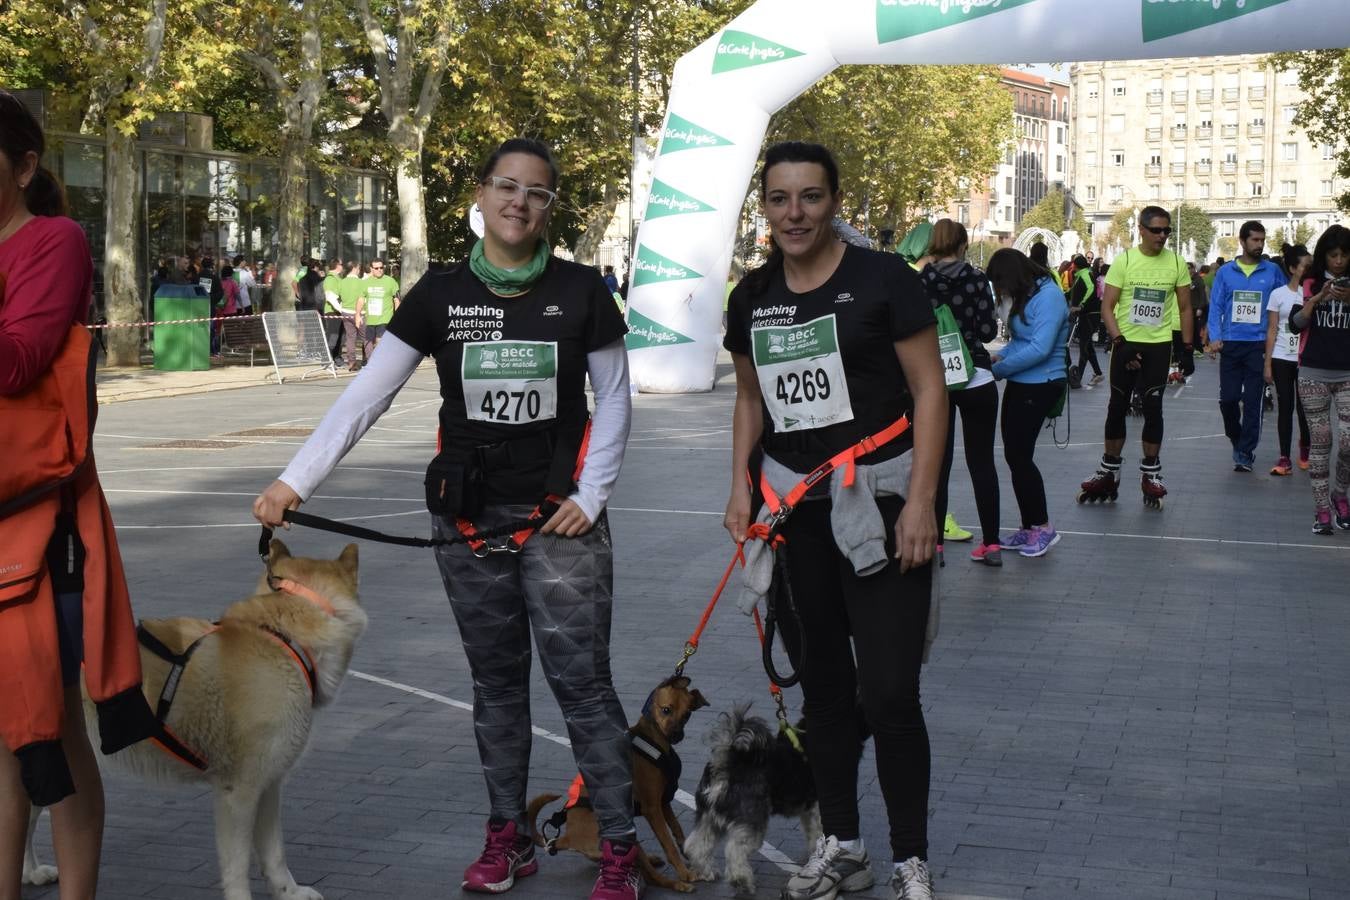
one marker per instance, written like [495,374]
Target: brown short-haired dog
[656,775]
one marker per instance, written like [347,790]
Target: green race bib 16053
[1147,307]
[801,374]
[511,382]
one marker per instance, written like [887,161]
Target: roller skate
[1151,482]
[1103,486]
[1175,377]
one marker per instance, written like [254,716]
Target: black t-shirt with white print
[826,359]
[510,367]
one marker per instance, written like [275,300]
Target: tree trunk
[588,244]
[412,204]
[292,205]
[122,290]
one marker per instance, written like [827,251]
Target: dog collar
[297,589]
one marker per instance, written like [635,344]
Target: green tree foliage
[906,137]
[1324,77]
[1303,233]
[1049,214]
[1193,224]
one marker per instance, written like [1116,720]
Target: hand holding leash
[737,518]
[273,502]
[569,521]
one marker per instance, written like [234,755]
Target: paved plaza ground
[1157,709]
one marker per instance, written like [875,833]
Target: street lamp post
[1289,237]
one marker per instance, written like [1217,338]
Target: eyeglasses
[1164,231]
[507,189]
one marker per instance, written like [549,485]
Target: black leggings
[1088,322]
[880,619]
[1025,407]
[1149,380]
[979,413]
[1286,391]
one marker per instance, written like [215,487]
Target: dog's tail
[532,815]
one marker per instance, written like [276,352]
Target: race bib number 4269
[801,374]
[1147,307]
[511,382]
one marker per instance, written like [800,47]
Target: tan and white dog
[245,704]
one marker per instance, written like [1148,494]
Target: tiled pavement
[1155,713]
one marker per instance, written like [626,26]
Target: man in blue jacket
[1237,331]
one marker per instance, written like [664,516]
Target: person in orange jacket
[63,595]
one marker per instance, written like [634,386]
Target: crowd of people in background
[1277,324]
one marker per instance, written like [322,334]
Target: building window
[1090,125]
[1059,134]
[1154,192]
[1289,152]
[1007,213]
[1117,124]
[1054,107]
[1226,228]
[1092,89]
[1059,164]
[1117,193]
[1178,190]
[1092,190]
[1118,89]
[1258,189]
[1288,188]
[1287,114]
[1090,158]
[1328,151]
[1117,158]
[1202,192]
[1229,189]
[1326,188]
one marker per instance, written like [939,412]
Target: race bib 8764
[801,374]
[511,382]
[1246,307]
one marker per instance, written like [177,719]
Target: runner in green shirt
[1147,289]
[349,290]
[376,304]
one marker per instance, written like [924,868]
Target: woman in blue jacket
[1033,364]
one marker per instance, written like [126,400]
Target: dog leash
[310,520]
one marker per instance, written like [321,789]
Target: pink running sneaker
[989,554]
[506,856]
[1282,466]
[620,873]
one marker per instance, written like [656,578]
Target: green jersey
[1147,311]
[380,293]
[331,283]
[349,289]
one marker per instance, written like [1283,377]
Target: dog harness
[169,742]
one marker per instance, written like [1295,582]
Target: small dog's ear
[277,550]
[680,682]
[349,558]
[699,700]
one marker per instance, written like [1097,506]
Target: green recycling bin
[182,348]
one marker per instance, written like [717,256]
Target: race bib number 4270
[511,382]
[801,374]
[1147,307]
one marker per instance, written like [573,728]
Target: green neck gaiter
[508,282]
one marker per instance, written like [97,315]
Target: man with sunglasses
[376,305]
[1236,330]
[1147,289]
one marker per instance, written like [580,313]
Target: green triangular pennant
[740,50]
[681,134]
[652,267]
[667,201]
[644,332]
[1163,20]
[900,19]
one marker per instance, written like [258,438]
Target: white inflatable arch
[725,90]
[1053,246]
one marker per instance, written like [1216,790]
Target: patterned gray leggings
[562,589]
[1318,397]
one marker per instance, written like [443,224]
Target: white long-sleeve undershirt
[374,388]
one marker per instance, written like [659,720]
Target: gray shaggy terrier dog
[753,772]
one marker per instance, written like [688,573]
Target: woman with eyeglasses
[515,333]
